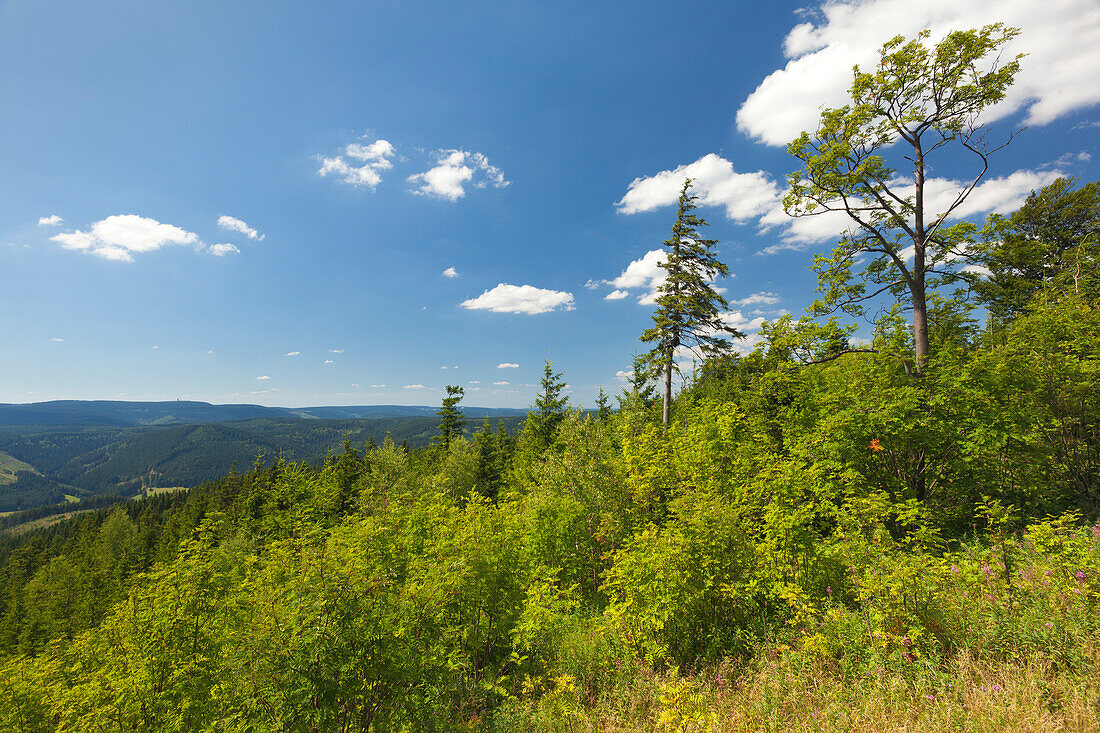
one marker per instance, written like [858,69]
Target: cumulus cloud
[623,376]
[527,299]
[450,272]
[233,224]
[293,353]
[507,365]
[121,236]
[360,165]
[761,298]
[377,386]
[501,383]
[645,272]
[56,340]
[50,221]
[221,250]
[453,171]
[1058,76]
[263,377]
[328,361]
[413,386]
[743,195]
[998,195]
[336,351]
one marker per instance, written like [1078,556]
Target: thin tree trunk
[668,394]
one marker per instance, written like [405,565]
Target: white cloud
[263,377]
[56,340]
[624,376]
[994,195]
[453,170]
[233,224]
[1058,76]
[761,298]
[507,365]
[377,386]
[474,381]
[413,386]
[336,351]
[450,272]
[155,348]
[329,361]
[50,221]
[744,195]
[527,299]
[501,383]
[371,158]
[644,272]
[118,237]
[221,250]
[293,353]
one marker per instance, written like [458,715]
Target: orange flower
[875,445]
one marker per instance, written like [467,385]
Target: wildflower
[1048,624]
[875,445]
[829,588]
[1080,576]
[929,697]
[996,688]
[986,569]
[954,568]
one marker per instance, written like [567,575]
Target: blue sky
[359,203]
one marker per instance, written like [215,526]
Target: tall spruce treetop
[917,101]
[451,420]
[549,408]
[689,309]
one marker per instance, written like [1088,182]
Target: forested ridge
[823,532]
[98,460]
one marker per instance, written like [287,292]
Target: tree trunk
[668,394]
[920,328]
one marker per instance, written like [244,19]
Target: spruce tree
[451,421]
[549,407]
[689,309]
[603,409]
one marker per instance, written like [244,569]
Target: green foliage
[918,100]
[451,422]
[1051,245]
[804,520]
[688,312]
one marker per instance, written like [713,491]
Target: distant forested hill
[85,460]
[133,414]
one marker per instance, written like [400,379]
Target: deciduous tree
[917,102]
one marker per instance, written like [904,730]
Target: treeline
[107,460]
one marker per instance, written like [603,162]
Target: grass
[153,491]
[966,694]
